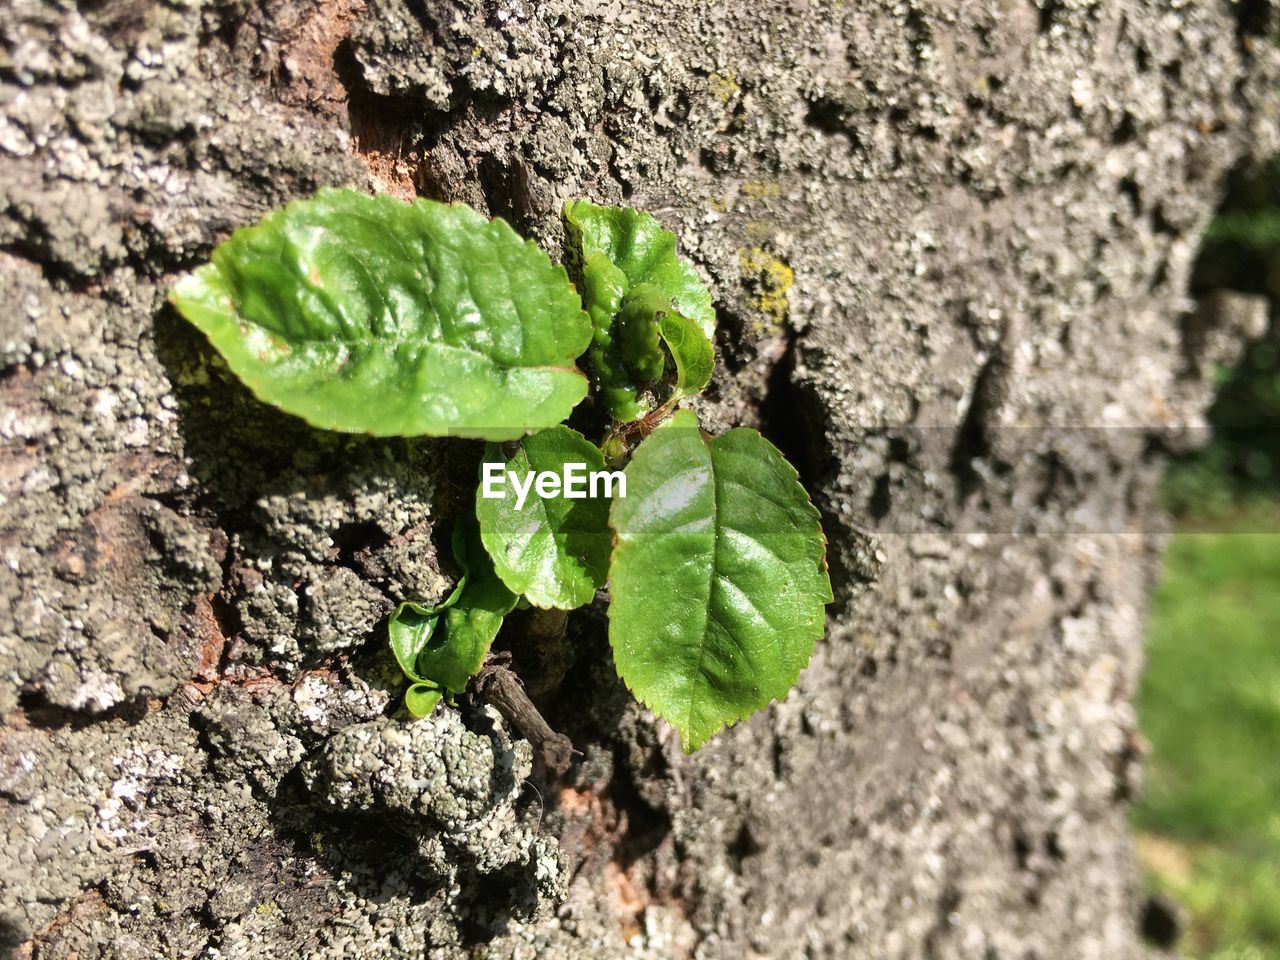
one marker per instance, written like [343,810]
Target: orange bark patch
[209,636]
[394,171]
[591,842]
[629,902]
[307,61]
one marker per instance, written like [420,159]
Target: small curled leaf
[445,645]
[637,325]
[637,244]
[631,276]
[621,388]
[413,625]
[693,353]
[410,630]
[421,698]
[604,286]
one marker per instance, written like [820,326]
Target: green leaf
[719,577]
[631,275]
[553,550]
[421,698]
[448,643]
[369,315]
[693,353]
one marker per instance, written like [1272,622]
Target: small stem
[547,625]
[627,435]
[502,688]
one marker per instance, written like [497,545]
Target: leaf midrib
[711,577]
[367,344]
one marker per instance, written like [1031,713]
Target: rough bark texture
[924,222]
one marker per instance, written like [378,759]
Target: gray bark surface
[935,231]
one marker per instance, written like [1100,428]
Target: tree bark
[949,245]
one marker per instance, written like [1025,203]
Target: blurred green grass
[1208,827]
[1209,823]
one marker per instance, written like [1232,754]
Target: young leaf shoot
[369,315]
